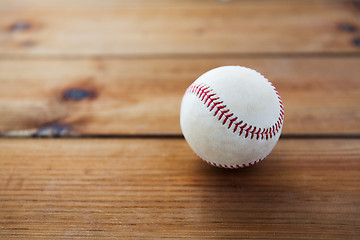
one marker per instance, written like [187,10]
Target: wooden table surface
[91,145]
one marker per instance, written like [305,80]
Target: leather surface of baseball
[232,117]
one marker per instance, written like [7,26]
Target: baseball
[232,117]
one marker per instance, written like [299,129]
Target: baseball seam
[234,166]
[214,103]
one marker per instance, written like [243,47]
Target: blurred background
[93,68]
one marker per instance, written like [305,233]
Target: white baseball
[232,117]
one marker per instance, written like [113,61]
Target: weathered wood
[166,28]
[143,96]
[111,189]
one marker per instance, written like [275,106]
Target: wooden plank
[143,96]
[286,27]
[15,4]
[24,4]
[111,189]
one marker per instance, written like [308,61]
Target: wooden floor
[90,140]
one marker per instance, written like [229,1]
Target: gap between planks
[180,136]
[179,56]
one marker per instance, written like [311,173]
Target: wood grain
[117,188]
[118,69]
[143,96]
[168,28]
[15,4]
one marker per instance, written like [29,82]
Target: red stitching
[232,121]
[212,101]
[233,166]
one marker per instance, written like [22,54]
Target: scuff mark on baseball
[232,117]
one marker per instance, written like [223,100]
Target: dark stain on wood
[20,26]
[356,5]
[55,130]
[347,27]
[78,94]
[356,41]
[79,90]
